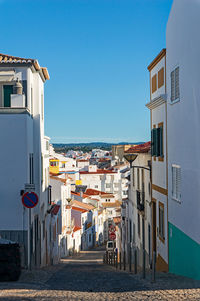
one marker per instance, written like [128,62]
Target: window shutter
[172,85]
[177,83]
[158,142]
[155,142]
[161,141]
[152,146]
[178,183]
[173,181]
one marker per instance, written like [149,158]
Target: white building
[183,111]
[158,111]
[138,218]
[23,155]
[102,179]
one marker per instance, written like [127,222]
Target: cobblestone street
[85,277]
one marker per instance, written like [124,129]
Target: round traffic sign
[30,199]
[112,236]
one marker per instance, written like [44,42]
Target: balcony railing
[140,200]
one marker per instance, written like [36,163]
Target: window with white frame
[176,182]
[175,94]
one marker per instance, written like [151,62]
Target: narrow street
[85,277]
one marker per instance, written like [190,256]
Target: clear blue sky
[97,52]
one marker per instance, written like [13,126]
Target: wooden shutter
[161,77]
[154,142]
[154,83]
[172,85]
[161,141]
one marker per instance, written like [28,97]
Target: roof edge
[157,59]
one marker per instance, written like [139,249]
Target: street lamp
[130,157]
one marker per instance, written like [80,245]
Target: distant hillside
[86,147]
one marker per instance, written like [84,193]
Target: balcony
[140,200]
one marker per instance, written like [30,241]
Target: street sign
[29,187]
[112,236]
[30,199]
[111,229]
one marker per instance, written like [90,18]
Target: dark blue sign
[30,199]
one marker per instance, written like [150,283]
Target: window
[90,237]
[96,186]
[161,222]
[175,85]
[157,141]
[108,185]
[31,178]
[138,179]
[62,165]
[138,224]
[82,220]
[7,91]
[160,77]
[154,83]
[49,195]
[47,145]
[54,163]
[176,182]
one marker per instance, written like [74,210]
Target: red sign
[112,236]
[112,229]
[30,199]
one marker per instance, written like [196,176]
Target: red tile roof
[140,148]
[91,191]
[9,59]
[77,193]
[76,228]
[79,209]
[99,171]
[82,205]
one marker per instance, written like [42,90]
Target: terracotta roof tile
[140,148]
[9,59]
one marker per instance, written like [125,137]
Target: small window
[160,77]
[175,94]
[154,83]
[133,176]
[176,182]
[161,221]
[108,185]
[157,142]
[96,186]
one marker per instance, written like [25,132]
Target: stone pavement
[85,277]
